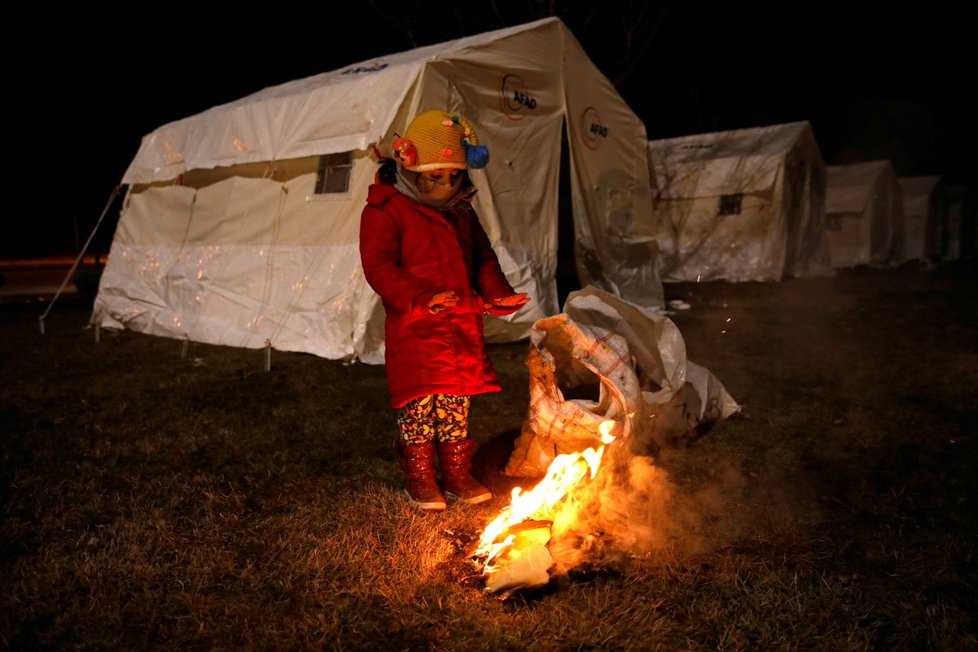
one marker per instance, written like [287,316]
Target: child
[425,253]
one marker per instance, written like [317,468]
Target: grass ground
[156,498]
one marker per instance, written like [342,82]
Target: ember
[513,548]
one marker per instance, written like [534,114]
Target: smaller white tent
[864,214]
[741,205]
[959,237]
[925,213]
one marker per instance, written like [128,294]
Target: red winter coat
[410,252]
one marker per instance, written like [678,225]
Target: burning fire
[513,547]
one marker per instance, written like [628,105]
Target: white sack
[606,359]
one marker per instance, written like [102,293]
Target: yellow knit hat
[438,139]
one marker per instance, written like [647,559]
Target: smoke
[632,508]
[606,362]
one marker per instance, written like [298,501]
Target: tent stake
[268,355]
[98,332]
[184,347]
[40,321]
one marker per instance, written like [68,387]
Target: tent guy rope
[81,254]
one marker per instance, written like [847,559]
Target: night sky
[874,82]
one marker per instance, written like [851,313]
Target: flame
[563,474]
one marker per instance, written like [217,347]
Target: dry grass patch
[151,500]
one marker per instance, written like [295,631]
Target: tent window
[334,173]
[730,204]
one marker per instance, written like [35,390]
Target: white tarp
[741,205]
[864,214]
[264,260]
[604,359]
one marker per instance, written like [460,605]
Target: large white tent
[240,224]
[740,205]
[864,214]
[925,216]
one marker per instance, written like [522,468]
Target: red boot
[455,459]
[418,463]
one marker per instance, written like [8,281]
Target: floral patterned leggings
[442,417]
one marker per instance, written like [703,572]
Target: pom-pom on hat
[438,139]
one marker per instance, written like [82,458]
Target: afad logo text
[593,130]
[514,98]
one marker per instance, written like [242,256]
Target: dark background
[875,81]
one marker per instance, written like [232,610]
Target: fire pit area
[609,386]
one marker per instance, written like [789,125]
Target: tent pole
[81,254]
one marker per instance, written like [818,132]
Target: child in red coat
[426,255]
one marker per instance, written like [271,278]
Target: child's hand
[512,303]
[441,301]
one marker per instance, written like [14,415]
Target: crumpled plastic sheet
[605,359]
